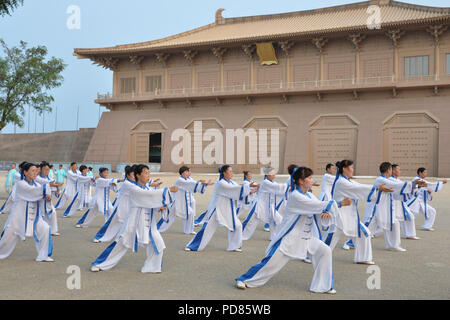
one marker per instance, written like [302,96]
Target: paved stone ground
[423,272]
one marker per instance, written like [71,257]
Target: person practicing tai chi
[348,222]
[139,228]
[26,217]
[7,205]
[294,239]
[385,211]
[407,220]
[70,190]
[419,202]
[10,177]
[50,215]
[247,202]
[82,197]
[184,202]
[222,212]
[101,201]
[121,208]
[265,206]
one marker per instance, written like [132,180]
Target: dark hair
[301,173]
[394,166]
[60,165]
[90,168]
[385,166]
[51,166]
[224,168]
[72,163]
[82,167]
[44,164]
[27,166]
[328,166]
[420,170]
[22,165]
[126,168]
[183,169]
[291,168]
[340,165]
[128,171]
[102,169]
[139,168]
[245,172]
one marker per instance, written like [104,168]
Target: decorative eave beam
[436,31]
[162,58]
[136,60]
[395,36]
[286,46]
[189,55]
[319,43]
[218,53]
[249,50]
[107,62]
[356,39]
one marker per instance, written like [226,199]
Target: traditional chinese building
[368,81]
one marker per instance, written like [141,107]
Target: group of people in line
[301,225]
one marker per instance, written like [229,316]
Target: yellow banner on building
[266,53]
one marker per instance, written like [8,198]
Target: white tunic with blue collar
[25,211]
[348,219]
[224,201]
[266,201]
[418,201]
[298,222]
[184,205]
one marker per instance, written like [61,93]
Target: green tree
[7,6]
[25,80]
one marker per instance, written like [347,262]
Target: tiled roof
[276,26]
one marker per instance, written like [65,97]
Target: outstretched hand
[173,189]
[384,189]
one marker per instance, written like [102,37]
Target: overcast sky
[113,22]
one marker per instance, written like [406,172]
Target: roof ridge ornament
[219,18]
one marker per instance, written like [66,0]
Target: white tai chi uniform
[69,191]
[406,219]
[100,202]
[211,207]
[140,229]
[294,240]
[348,220]
[81,197]
[419,203]
[184,205]
[7,205]
[121,210]
[265,208]
[247,202]
[325,194]
[226,194]
[50,215]
[26,220]
[388,211]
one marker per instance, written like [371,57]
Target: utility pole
[56,115]
[29,113]
[78,111]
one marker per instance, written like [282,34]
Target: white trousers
[42,232]
[202,238]
[429,217]
[188,224]
[320,254]
[116,250]
[363,246]
[392,238]
[252,223]
[52,221]
[408,227]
